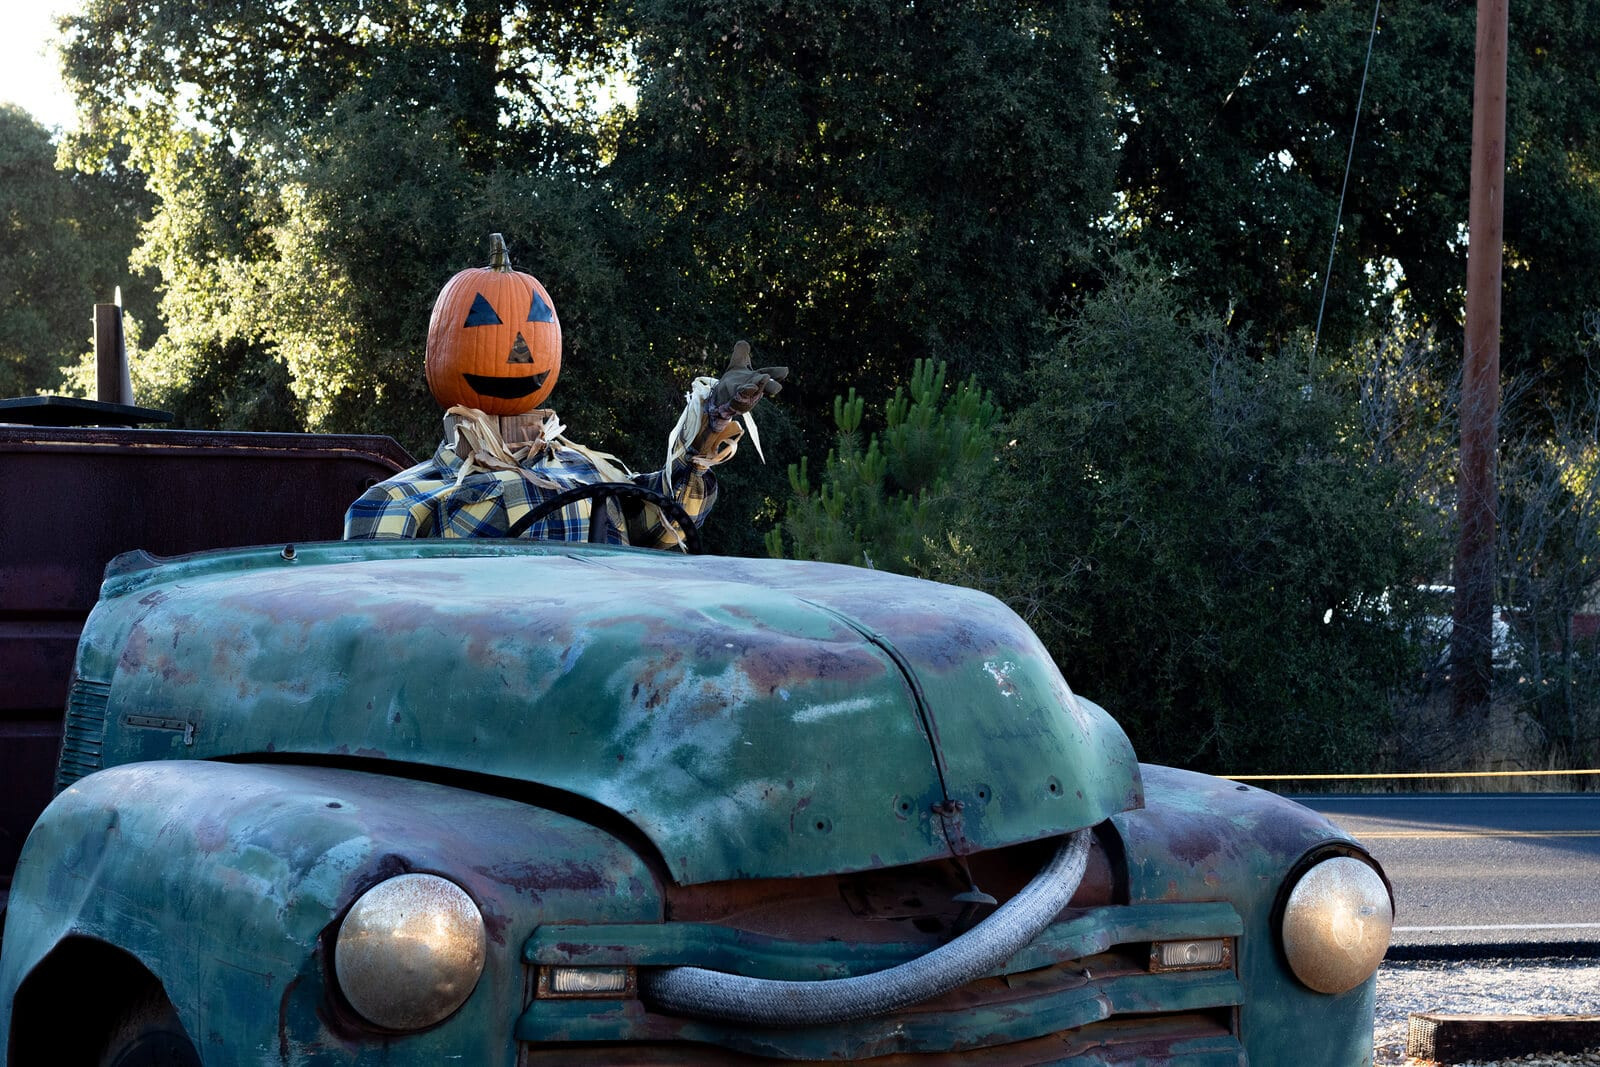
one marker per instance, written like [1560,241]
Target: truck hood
[752,718]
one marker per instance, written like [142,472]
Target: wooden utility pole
[1477,501]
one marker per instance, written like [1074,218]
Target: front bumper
[1083,989]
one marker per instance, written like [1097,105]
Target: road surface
[1483,869]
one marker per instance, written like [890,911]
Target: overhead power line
[1338,218]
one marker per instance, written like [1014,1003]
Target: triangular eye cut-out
[540,311]
[481,314]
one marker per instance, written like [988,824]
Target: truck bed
[77,496]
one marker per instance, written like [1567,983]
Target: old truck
[501,802]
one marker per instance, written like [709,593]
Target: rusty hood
[752,718]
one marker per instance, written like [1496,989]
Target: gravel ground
[1483,987]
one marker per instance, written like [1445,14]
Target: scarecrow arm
[736,392]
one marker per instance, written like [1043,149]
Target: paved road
[1483,869]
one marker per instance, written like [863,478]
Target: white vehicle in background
[1437,621]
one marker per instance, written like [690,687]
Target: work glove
[733,395]
[742,385]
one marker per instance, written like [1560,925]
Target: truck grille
[1198,1040]
[1082,993]
[84,737]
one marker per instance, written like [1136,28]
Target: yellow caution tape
[1402,774]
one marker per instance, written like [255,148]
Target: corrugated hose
[774,1002]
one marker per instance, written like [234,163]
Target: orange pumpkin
[494,342]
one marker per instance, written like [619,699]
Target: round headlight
[410,951]
[1336,924]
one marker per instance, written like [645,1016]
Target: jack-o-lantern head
[494,342]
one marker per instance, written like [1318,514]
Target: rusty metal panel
[1200,837]
[229,888]
[1075,981]
[747,730]
[101,492]
[990,696]
[94,493]
[1077,934]
[978,1021]
[1194,1040]
[791,758]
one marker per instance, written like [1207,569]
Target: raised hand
[742,385]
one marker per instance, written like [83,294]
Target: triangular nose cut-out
[519,352]
[481,313]
[540,311]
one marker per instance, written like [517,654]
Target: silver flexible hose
[775,1002]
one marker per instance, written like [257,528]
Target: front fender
[227,881]
[1204,838]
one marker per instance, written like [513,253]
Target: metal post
[1477,503]
[112,381]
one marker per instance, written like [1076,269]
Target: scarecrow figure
[506,467]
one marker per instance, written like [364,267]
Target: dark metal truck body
[486,802]
[77,496]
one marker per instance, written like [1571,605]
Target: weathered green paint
[1046,1005]
[225,880]
[1200,837]
[713,720]
[1204,858]
[1051,985]
[725,948]
[752,718]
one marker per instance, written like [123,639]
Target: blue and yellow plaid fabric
[426,501]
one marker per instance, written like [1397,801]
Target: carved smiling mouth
[506,388]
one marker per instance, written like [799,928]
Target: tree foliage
[856,187]
[887,503]
[1234,124]
[869,183]
[67,235]
[772,182]
[1212,540]
[323,167]
[1549,546]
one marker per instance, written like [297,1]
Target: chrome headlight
[410,951]
[1336,924]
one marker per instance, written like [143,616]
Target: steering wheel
[670,508]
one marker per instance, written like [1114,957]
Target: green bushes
[884,505]
[1199,536]
[1549,553]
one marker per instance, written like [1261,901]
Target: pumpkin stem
[499,258]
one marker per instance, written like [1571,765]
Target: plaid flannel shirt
[427,501]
